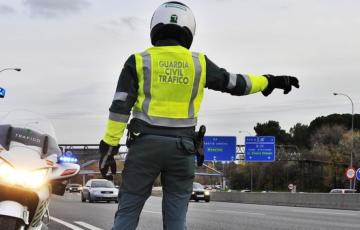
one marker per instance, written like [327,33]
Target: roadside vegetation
[313,157]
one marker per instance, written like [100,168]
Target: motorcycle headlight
[31,179]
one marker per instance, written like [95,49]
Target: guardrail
[313,200]
[309,200]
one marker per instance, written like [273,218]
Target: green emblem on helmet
[173,18]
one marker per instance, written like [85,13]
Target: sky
[72,51]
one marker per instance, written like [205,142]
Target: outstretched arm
[243,84]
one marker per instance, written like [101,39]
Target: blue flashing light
[68,159]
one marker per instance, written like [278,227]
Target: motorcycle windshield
[28,129]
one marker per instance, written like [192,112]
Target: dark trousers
[149,156]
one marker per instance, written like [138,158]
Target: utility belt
[137,128]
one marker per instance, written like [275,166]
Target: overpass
[88,155]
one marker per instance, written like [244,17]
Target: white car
[199,193]
[343,190]
[99,190]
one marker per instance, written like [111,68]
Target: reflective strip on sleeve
[119,117]
[195,88]
[120,96]
[114,132]
[147,80]
[162,121]
[259,83]
[232,81]
[248,84]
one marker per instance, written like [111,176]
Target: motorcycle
[31,169]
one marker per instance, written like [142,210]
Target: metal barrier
[312,200]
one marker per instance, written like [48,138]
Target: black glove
[280,82]
[107,160]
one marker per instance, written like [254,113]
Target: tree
[272,128]
[300,136]
[326,148]
[335,119]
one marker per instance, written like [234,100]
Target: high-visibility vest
[171,86]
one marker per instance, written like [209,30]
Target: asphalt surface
[69,212]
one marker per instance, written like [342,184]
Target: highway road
[69,212]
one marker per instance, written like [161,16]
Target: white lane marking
[86,225]
[73,227]
[152,212]
[239,212]
[326,213]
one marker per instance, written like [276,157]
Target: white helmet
[173,20]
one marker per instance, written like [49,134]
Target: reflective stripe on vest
[171,84]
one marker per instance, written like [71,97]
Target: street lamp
[16,69]
[352,130]
[2,90]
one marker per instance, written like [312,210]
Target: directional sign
[350,173]
[358,174]
[260,148]
[220,148]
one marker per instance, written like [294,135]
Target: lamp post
[2,90]
[251,167]
[16,69]
[352,130]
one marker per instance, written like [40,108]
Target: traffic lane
[213,215]
[292,214]
[56,226]
[250,216]
[70,209]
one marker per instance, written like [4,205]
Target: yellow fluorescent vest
[171,82]
[171,86]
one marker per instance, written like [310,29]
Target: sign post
[220,148]
[358,174]
[350,173]
[260,148]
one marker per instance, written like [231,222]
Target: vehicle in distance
[73,187]
[342,190]
[199,193]
[99,190]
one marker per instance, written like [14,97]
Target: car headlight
[193,193]
[207,193]
[31,179]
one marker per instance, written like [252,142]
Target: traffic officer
[162,88]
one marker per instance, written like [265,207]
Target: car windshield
[102,184]
[74,185]
[197,186]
